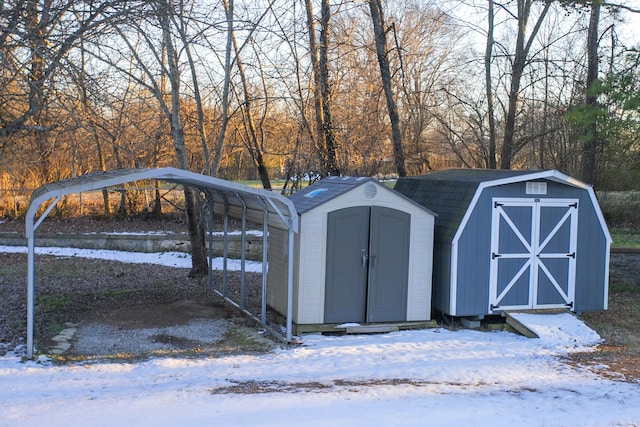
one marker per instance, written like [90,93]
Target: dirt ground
[126,299]
[619,325]
[77,295]
[184,328]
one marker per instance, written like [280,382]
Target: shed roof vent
[370,191]
[536,187]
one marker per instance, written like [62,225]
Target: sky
[426,377]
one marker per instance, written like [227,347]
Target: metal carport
[228,198]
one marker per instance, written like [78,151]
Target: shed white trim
[551,175]
[276,209]
[310,255]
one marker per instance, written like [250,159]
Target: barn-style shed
[363,254]
[512,240]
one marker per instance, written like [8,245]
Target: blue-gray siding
[474,249]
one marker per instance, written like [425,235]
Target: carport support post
[265,234]
[243,244]
[30,228]
[225,244]
[30,285]
[210,270]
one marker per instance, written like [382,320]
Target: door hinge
[569,304]
[495,255]
[493,307]
[496,204]
[574,205]
[572,255]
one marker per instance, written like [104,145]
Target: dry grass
[620,328]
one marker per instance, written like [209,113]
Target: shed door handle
[365,257]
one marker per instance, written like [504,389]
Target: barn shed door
[367,265]
[533,253]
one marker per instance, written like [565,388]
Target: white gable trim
[551,175]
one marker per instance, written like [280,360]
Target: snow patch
[560,329]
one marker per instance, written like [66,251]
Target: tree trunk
[377,18]
[254,147]
[317,92]
[157,201]
[591,137]
[488,56]
[202,134]
[199,263]
[224,119]
[517,70]
[331,163]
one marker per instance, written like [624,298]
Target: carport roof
[281,210]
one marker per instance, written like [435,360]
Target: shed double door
[367,265]
[533,253]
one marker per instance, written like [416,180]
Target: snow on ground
[410,378]
[170,259]
[254,233]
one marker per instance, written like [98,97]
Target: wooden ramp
[364,328]
[527,327]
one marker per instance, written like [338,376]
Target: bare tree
[320,64]
[196,236]
[224,119]
[488,59]
[377,18]
[167,58]
[253,144]
[523,45]
[35,40]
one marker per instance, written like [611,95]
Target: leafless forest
[266,89]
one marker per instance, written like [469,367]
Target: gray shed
[513,240]
[363,254]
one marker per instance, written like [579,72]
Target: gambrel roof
[450,193]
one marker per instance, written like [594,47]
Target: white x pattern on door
[533,253]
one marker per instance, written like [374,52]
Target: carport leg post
[30,290]
[225,247]
[31,263]
[265,234]
[210,253]
[243,244]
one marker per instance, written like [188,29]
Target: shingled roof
[325,190]
[448,193]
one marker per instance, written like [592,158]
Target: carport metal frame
[237,200]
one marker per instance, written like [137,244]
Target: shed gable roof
[325,190]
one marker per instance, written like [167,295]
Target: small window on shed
[536,187]
[315,193]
